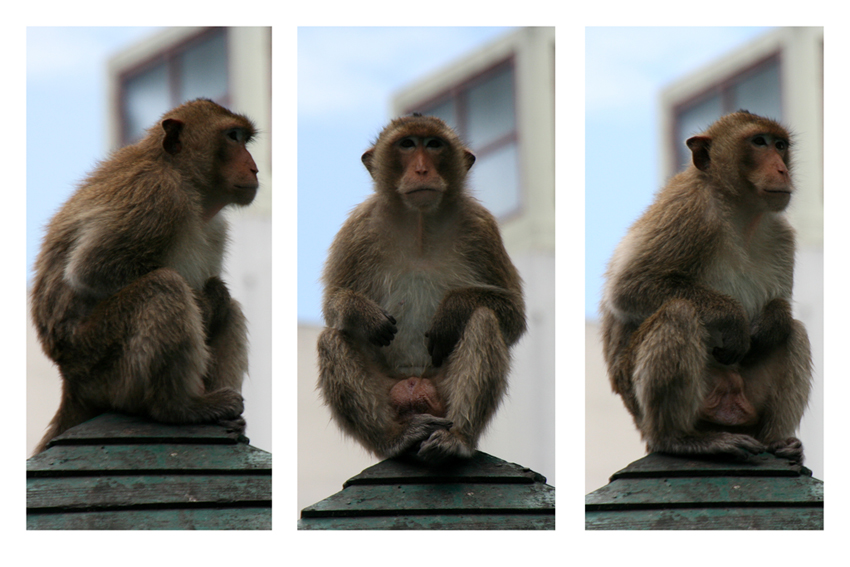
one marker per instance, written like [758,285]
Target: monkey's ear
[700,145]
[366,158]
[171,143]
[468,158]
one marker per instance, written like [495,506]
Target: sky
[623,86]
[346,81]
[65,92]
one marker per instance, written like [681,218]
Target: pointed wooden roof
[666,492]
[122,472]
[473,494]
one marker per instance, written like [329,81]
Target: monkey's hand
[731,326]
[447,327]
[214,302]
[444,445]
[790,448]
[380,327]
[769,329]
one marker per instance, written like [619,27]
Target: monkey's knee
[669,364]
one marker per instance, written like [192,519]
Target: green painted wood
[442,498]
[669,492]
[433,522]
[709,491]
[774,518]
[480,493]
[122,472]
[91,492]
[480,468]
[245,518]
[656,464]
[63,459]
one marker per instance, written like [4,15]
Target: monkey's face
[767,169]
[238,172]
[421,185]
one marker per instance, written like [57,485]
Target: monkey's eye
[407,143]
[759,141]
[781,145]
[434,143]
[237,135]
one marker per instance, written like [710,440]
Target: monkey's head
[207,144]
[420,161]
[747,157]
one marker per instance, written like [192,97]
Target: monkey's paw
[225,403]
[444,445]
[790,448]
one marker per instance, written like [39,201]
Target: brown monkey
[421,302]
[127,298]
[698,333]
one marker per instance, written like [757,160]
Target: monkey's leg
[162,356]
[475,382]
[358,396]
[671,381]
[784,379]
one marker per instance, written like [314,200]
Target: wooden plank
[461,498]
[661,465]
[774,518]
[637,492]
[115,427]
[428,522]
[480,468]
[92,492]
[138,458]
[249,518]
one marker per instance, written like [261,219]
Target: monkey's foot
[444,445]
[723,443]
[236,425]
[790,448]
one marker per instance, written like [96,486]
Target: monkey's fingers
[790,448]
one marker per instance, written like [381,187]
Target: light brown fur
[421,303]
[127,298]
[697,327]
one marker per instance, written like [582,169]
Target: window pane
[495,180]
[760,93]
[491,109]
[445,111]
[146,99]
[204,70]
[692,121]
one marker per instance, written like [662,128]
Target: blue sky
[346,79]
[625,70]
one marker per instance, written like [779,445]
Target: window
[483,112]
[756,89]
[192,69]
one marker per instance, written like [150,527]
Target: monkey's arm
[500,291]
[724,317]
[359,316]
[770,329]
[115,247]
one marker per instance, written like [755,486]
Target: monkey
[421,303]
[127,297]
[698,334]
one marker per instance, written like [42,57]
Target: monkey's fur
[697,327]
[127,298]
[421,302]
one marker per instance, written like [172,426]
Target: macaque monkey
[421,302]
[127,298]
[697,327]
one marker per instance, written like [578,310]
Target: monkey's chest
[412,297]
[752,279]
[197,254]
